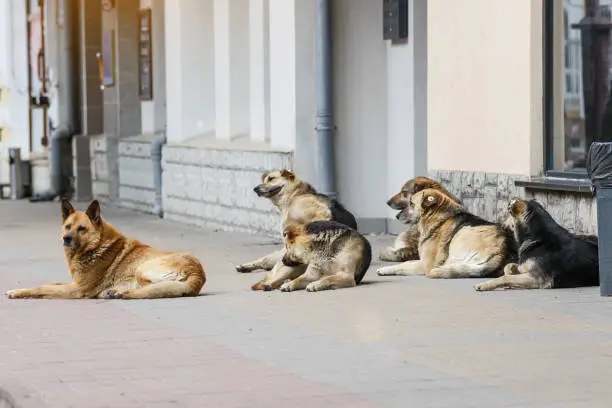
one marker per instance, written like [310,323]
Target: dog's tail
[366,260]
[196,281]
[193,273]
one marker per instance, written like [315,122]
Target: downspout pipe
[156,156]
[325,99]
[69,107]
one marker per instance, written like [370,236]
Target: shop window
[578,82]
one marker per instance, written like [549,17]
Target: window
[578,87]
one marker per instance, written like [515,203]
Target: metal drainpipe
[68,99]
[325,99]
[156,155]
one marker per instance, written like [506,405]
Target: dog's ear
[67,208]
[429,200]
[288,174]
[93,212]
[425,184]
[289,234]
[516,205]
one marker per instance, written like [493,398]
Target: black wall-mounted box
[395,19]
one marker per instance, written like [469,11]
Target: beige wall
[485,86]
[379,91]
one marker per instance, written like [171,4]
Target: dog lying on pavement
[406,245]
[297,201]
[106,264]
[453,242]
[549,256]
[336,256]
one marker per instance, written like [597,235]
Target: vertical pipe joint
[325,114]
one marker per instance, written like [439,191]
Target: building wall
[361,104]
[154,112]
[136,183]
[485,94]
[379,100]
[212,161]
[380,107]
[213,187]
[485,86]
[5,71]
[122,110]
[13,82]
[190,69]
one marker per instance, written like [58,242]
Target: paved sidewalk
[392,342]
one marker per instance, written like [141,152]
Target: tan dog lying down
[453,242]
[105,264]
[406,245]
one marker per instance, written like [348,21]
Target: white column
[407,103]
[282,73]
[231,38]
[259,68]
[174,75]
[190,70]
[292,81]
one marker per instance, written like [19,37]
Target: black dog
[549,255]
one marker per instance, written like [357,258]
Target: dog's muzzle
[67,239]
[395,206]
[289,262]
[257,190]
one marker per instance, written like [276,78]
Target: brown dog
[337,256]
[105,264]
[297,201]
[453,242]
[406,245]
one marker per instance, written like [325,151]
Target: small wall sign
[145,56]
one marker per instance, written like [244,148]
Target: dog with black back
[549,256]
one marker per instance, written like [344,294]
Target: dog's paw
[12,294]
[262,286]
[385,272]
[244,268]
[480,287]
[286,287]
[112,294]
[313,287]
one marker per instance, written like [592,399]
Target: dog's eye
[271,179]
[67,227]
[81,229]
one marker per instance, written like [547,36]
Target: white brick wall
[136,186]
[214,188]
[99,168]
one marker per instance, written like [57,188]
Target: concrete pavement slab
[391,342]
